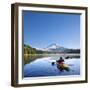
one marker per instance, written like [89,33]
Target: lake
[43,67]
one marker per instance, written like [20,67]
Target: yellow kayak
[63,66]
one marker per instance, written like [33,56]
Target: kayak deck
[63,66]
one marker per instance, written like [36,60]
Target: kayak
[63,66]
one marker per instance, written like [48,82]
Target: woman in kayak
[61,65]
[60,61]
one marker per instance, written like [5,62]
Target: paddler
[62,65]
[60,61]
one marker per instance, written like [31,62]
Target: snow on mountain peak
[53,46]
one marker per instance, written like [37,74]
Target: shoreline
[31,57]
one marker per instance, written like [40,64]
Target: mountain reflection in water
[39,65]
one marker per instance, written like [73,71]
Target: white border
[56,78]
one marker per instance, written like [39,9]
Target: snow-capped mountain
[55,48]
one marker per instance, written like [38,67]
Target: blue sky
[43,29]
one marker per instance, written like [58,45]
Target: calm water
[44,67]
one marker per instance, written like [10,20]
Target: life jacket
[61,61]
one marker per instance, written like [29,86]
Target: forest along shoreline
[31,57]
[31,54]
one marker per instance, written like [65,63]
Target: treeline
[29,50]
[73,51]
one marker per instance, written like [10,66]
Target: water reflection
[46,65]
[31,57]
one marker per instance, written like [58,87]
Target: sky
[42,29]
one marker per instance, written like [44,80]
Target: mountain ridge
[56,48]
